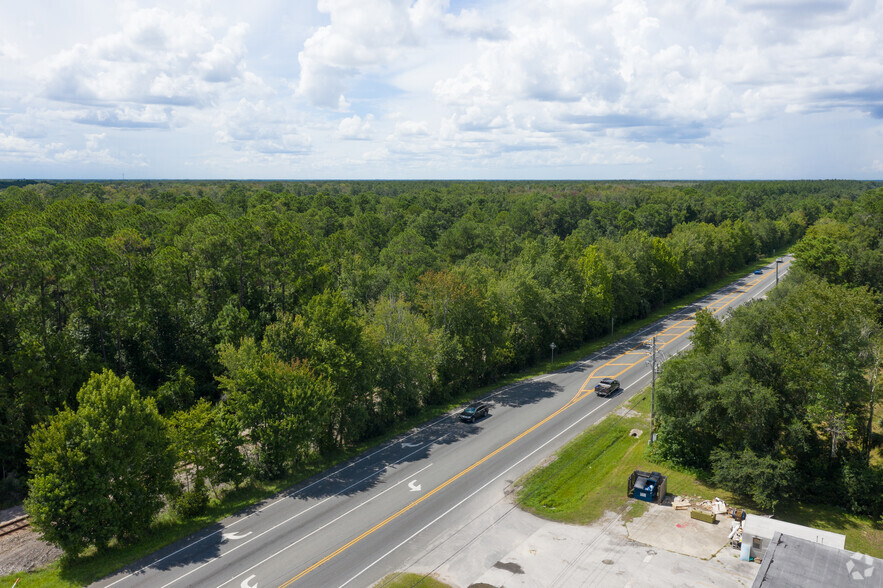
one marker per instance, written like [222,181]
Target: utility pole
[653,389]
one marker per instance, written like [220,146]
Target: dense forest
[245,327]
[778,402]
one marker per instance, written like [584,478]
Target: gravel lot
[22,551]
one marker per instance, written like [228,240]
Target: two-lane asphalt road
[425,493]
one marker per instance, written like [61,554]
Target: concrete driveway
[653,550]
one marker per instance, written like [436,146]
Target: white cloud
[262,129]
[354,128]
[93,154]
[158,57]
[9,50]
[665,71]
[411,128]
[15,149]
[364,36]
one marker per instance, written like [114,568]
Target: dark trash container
[647,486]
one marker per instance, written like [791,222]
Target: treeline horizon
[366,299]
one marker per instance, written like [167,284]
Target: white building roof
[758,526]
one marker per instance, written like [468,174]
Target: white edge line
[501,474]
[489,482]
[379,472]
[307,536]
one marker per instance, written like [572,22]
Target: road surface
[420,497]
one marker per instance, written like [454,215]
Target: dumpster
[647,486]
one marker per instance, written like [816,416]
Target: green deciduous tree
[330,337]
[597,293]
[99,472]
[406,358]
[706,335]
[282,407]
[778,395]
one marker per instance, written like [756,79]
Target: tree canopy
[271,322]
[778,402]
[99,472]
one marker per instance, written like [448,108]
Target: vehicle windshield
[469,410]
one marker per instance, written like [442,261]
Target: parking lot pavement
[547,554]
[674,530]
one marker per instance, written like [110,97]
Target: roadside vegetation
[316,317]
[173,525]
[780,402]
[588,478]
[410,581]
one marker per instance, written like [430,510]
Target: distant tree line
[254,326]
[778,402]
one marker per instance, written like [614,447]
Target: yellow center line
[577,397]
[405,509]
[629,351]
[717,306]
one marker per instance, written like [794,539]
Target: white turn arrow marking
[245,582]
[234,536]
[409,445]
[414,486]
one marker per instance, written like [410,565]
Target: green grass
[410,580]
[861,535]
[93,565]
[588,477]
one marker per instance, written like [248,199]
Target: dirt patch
[23,551]
[624,411]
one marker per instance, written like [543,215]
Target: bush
[861,486]
[192,502]
[764,479]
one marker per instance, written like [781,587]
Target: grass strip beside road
[588,476]
[93,565]
[410,581]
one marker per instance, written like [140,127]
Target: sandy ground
[22,551]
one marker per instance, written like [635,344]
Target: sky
[441,89]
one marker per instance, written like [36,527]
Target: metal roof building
[758,531]
[791,562]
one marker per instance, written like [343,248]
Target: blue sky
[560,89]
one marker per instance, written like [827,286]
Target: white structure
[758,531]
